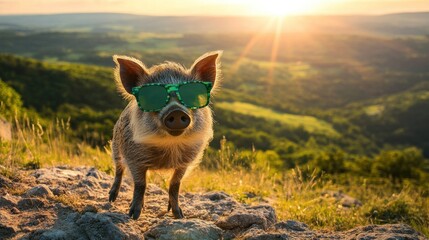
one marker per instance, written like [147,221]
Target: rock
[349,202]
[65,228]
[154,190]
[273,233]
[216,196]
[39,191]
[58,191]
[98,226]
[29,203]
[87,226]
[8,201]
[53,235]
[91,182]
[15,210]
[6,228]
[343,199]
[260,216]
[7,231]
[192,229]
[281,230]
[259,234]
[94,179]
[297,230]
[268,212]
[51,176]
[95,173]
[291,226]
[37,219]
[388,231]
[210,206]
[5,182]
[90,208]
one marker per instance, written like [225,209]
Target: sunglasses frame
[172,87]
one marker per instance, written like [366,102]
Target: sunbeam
[249,46]
[274,50]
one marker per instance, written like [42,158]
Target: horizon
[244,16]
[214,8]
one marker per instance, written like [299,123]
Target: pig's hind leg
[119,166]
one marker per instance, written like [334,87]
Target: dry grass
[35,144]
[71,200]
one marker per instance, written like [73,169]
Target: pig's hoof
[135,210]
[113,194]
[177,212]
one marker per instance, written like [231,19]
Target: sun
[283,7]
[277,10]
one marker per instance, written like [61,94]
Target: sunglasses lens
[152,98]
[194,95]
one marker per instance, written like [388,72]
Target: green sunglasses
[152,97]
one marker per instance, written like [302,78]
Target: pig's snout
[177,121]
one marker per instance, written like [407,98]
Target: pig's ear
[129,73]
[207,68]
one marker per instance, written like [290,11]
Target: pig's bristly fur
[140,139]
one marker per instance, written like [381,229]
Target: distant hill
[129,22]
[48,86]
[393,24]
[397,119]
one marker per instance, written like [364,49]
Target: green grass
[309,123]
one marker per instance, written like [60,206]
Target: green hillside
[45,86]
[83,93]
[308,123]
[399,119]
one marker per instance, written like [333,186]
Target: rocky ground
[61,203]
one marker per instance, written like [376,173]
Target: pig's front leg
[173,193]
[137,203]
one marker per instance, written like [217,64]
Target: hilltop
[71,203]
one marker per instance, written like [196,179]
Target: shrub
[331,162]
[399,165]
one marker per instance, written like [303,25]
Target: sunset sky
[214,7]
